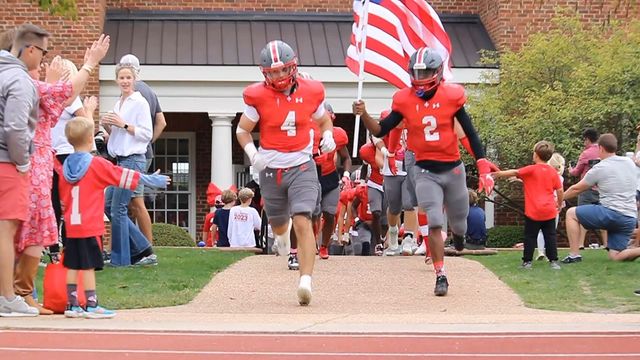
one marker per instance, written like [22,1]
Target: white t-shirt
[242,222]
[58,139]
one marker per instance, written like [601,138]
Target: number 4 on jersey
[289,124]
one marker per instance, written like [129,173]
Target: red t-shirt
[540,181]
[327,161]
[84,200]
[206,227]
[368,153]
[285,120]
[431,135]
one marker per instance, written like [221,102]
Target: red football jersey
[368,154]
[285,120]
[327,161]
[540,181]
[364,210]
[431,135]
[84,200]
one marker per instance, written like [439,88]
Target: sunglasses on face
[44,52]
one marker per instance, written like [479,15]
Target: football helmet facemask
[425,69]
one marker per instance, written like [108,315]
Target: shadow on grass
[597,284]
[176,280]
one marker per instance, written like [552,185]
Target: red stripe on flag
[376,70]
[429,22]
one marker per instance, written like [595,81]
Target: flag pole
[363,47]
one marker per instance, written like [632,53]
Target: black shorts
[83,254]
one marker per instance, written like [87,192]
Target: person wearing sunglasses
[18,119]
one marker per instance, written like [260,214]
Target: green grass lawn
[597,284]
[178,277]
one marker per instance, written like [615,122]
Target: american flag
[395,29]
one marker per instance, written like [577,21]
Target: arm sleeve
[387,124]
[394,139]
[319,111]
[144,129]
[18,105]
[257,221]
[582,163]
[470,131]
[591,177]
[251,113]
[113,175]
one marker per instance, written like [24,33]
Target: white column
[221,160]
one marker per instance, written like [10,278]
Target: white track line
[626,334]
[298,354]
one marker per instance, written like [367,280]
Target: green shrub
[505,236]
[171,235]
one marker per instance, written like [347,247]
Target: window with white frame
[174,154]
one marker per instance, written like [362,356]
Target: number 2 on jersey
[289,124]
[430,125]
[76,218]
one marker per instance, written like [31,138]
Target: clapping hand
[113,119]
[55,72]
[90,104]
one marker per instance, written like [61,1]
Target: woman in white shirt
[129,125]
[243,221]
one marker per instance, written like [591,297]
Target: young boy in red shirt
[84,178]
[540,205]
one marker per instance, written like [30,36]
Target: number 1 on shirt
[76,218]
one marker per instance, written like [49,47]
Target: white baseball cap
[132,60]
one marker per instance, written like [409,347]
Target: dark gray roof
[199,38]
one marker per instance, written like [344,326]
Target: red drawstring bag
[55,288]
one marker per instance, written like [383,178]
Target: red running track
[106,345]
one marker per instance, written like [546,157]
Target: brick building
[198,55]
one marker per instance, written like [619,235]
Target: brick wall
[69,38]
[443,6]
[511,22]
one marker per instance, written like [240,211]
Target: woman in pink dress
[40,230]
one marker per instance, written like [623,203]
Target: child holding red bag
[84,178]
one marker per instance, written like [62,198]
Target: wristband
[87,68]
[346,174]
[327,134]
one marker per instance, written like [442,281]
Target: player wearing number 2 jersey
[283,106]
[430,108]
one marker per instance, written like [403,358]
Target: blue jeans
[126,238]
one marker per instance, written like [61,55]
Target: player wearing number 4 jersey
[430,108]
[84,178]
[284,106]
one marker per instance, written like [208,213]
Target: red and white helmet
[279,65]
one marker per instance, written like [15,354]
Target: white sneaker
[304,290]
[421,250]
[16,308]
[395,251]
[408,246]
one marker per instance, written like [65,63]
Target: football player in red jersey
[376,201]
[429,108]
[284,106]
[330,182]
